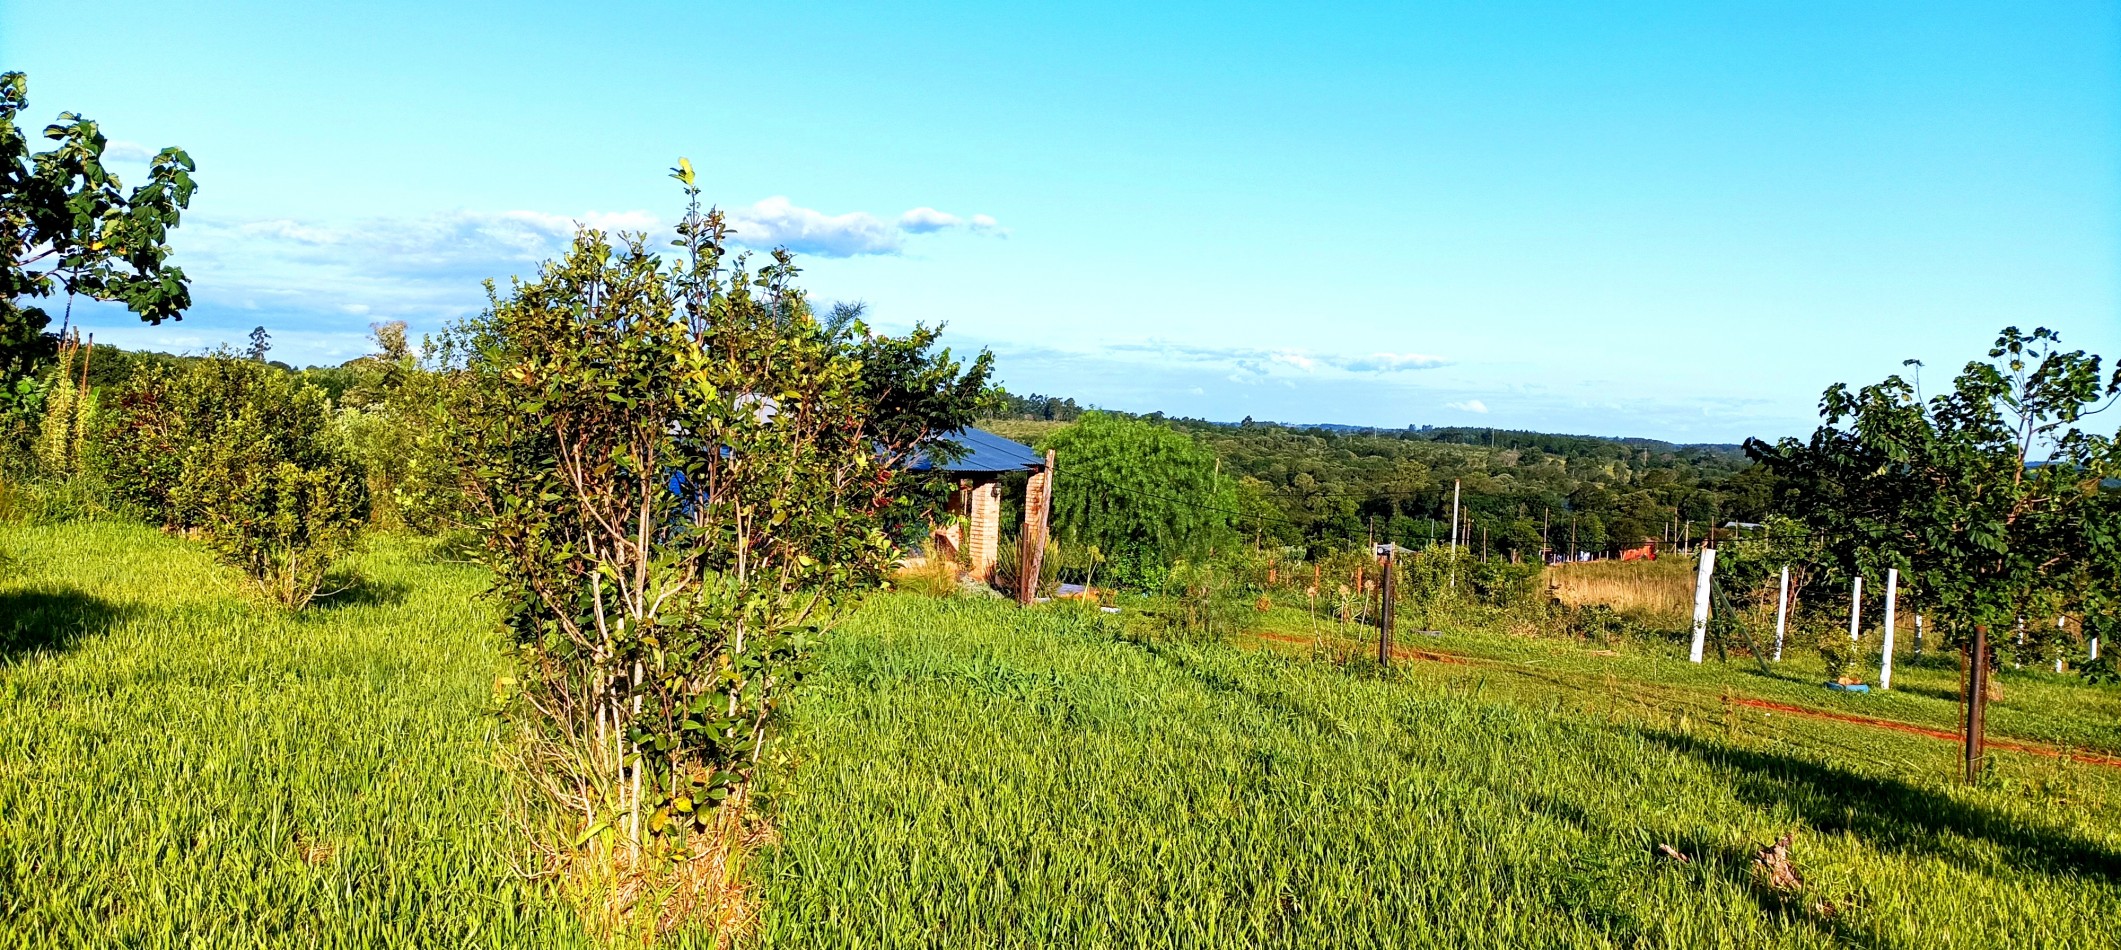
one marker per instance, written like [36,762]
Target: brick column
[984,532]
[1038,501]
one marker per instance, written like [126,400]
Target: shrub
[676,472]
[245,455]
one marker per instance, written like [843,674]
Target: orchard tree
[1143,494]
[67,225]
[676,471]
[1987,497]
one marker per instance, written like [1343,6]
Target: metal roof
[981,451]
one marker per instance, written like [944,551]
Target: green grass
[2037,705]
[182,767]
[971,775]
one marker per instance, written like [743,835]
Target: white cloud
[120,150]
[1392,362]
[778,222]
[1254,363]
[925,220]
[1470,405]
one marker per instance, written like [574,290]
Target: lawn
[180,766]
[972,775]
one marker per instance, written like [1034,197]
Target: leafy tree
[260,344]
[68,226]
[1137,490]
[1987,496]
[674,468]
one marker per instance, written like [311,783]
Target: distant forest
[1324,487]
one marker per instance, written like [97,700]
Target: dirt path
[1942,735]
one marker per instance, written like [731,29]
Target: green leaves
[1987,495]
[70,227]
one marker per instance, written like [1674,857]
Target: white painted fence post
[1918,634]
[1782,612]
[2061,623]
[1892,603]
[1856,611]
[1702,573]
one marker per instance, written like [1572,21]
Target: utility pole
[1454,516]
[1453,580]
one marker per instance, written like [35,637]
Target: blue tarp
[982,451]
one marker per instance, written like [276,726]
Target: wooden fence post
[1384,617]
[1782,612]
[1038,508]
[1702,575]
[1892,592]
[1976,702]
[1856,610]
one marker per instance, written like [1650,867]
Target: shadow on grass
[50,620]
[346,589]
[1890,814]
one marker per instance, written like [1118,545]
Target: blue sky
[1675,220]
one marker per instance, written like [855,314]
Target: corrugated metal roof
[982,451]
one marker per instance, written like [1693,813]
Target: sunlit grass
[181,766]
[973,775]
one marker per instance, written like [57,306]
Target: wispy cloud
[778,222]
[1258,364]
[1470,405]
[121,150]
[333,277]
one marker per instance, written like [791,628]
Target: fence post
[1976,702]
[1892,592]
[1702,574]
[1384,617]
[1856,611]
[1782,612]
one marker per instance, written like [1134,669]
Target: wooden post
[1918,634]
[1782,612]
[1892,592]
[1856,611]
[1976,702]
[1703,572]
[1384,617]
[2061,623]
[1038,508]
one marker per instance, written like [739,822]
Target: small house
[978,471]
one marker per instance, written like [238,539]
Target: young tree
[67,225]
[677,474]
[1986,497]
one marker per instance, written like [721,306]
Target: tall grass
[1656,593]
[181,766]
[967,775]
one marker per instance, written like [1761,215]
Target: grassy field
[180,767]
[970,775]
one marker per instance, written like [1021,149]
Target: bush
[245,455]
